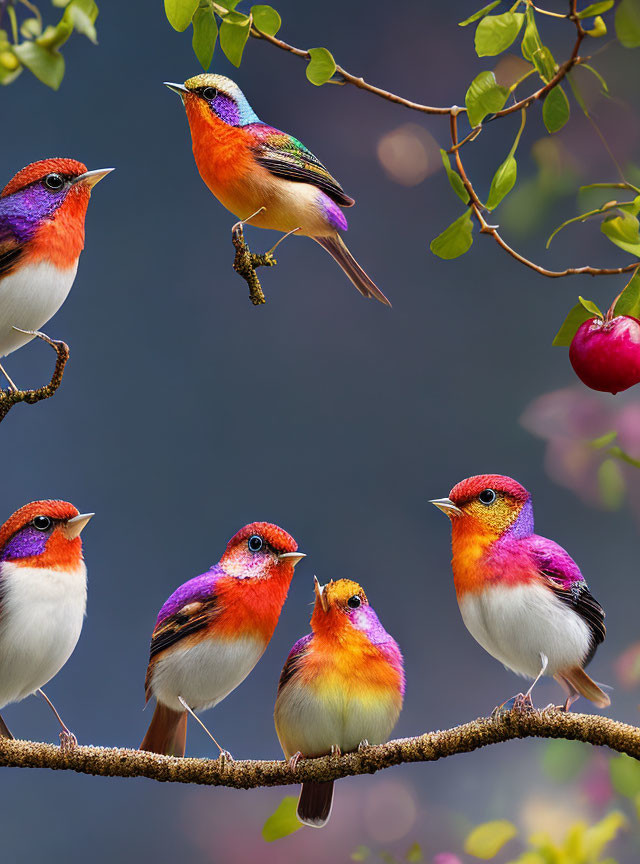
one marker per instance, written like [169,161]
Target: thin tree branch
[453,111]
[250,774]
[9,398]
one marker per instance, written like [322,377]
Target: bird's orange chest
[250,607]
[60,240]
[470,544]
[221,151]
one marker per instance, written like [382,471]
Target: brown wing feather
[10,253]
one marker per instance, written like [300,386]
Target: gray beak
[447,506]
[293,557]
[73,527]
[320,596]
[90,178]
[180,89]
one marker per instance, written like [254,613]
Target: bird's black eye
[53,182]
[42,523]
[209,93]
[354,602]
[255,543]
[487,496]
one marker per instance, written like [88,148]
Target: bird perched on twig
[341,688]
[43,596]
[522,597]
[213,630]
[42,213]
[263,176]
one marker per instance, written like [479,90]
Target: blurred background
[185,413]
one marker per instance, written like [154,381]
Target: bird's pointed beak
[72,528]
[320,595]
[180,89]
[90,178]
[292,557]
[447,506]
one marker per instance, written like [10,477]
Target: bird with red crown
[212,631]
[42,213]
[522,596]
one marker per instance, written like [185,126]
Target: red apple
[605,354]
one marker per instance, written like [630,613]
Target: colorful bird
[42,211]
[522,597]
[341,688]
[263,176]
[43,596]
[213,630]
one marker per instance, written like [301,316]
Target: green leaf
[83,14]
[454,178]
[483,97]
[414,854]
[577,316]
[603,83]
[454,240]
[623,231]
[47,66]
[479,14]
[590,306]
[581,218]
[534,51]
[596,9]
[555,109]
[495,33]
[599,28]
[54,37]
[205,35]
[233,38]
[266,19]
[598,836]
[321,67]
[505,177]
[563,760]
[31,27]
[604,440]
[611,489]
[628,23]
[283,821]
[628,303]
[487,840]
[180,12]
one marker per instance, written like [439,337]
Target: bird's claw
[225,757]
[68,741]
[520,702]
[363,745]
[335,750]
[293,762]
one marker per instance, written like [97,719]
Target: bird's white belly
[29,297]
[41,614]
[204,673]
[312,723]
[516,624]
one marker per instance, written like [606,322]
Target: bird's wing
[563,576]
[190,618]
[287,157]
[11,249]
[293,660]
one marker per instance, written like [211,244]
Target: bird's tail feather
[314,804]
[337,249]
[4,730]
[587,687]
[167,732]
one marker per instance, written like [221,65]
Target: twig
[453,111]
[245,264]
[250,774]
[9,398]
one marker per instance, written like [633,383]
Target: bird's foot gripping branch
[11,396]
[252,774]
[246,261]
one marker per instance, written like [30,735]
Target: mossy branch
[246,261]
[250,774]
[10,397]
